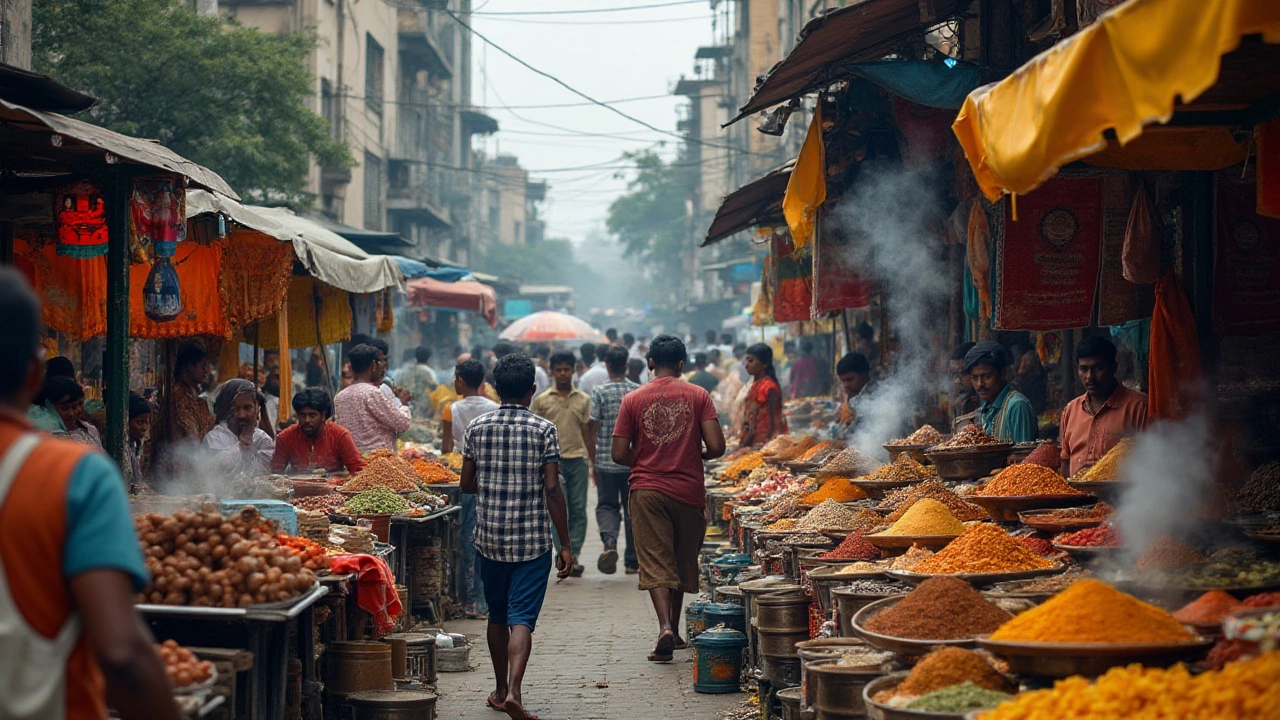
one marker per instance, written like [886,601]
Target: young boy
[139,427]
[511,461]
[468,378]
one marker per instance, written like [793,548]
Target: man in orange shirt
[69,560]
[1093,423]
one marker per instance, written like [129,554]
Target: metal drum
[393,705]
[782,620]
[823,650]
[730,594]
[695,621]
[837,691]
[354,667]
[420,655]
[717,661]
[731,616]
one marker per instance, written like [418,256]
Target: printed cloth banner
[836,282]
[1246,280]
[1049,258]
[793,297]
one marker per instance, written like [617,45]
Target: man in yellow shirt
[570,410]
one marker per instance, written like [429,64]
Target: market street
[595,629]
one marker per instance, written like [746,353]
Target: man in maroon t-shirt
[660,434]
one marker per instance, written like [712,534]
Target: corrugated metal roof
[756,203]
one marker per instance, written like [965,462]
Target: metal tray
[1059,660]
[796,466]
[1007,507]
[977,579]
[902,646]
[881,540]
[1109,490]
[881,711]
[968,463]
[1089,552]
[1039,520]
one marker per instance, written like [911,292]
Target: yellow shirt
[569,413]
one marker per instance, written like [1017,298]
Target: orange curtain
[202,307]
[255,276]
[1173,374]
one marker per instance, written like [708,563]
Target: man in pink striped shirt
[373,418]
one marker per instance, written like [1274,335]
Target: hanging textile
[1140,257]
[1120,300]
[924,132]
[285,406]
[1246,278]
[762,309]
[1268,138]
[836,282]
[1173,375]
[979,256]
[794,297]
[255,276]
[81,217]
[1049,258]
[305,294]
[807,187]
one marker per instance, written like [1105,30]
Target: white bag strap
[13,461]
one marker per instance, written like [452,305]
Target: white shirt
[386,390]
[596,375]
[231,458]
[466,410]
[541,380]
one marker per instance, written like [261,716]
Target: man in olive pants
[569,409]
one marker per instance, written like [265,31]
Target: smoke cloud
[892,217]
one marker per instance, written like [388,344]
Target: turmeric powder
[1091,611]
[836,488]
[927,517]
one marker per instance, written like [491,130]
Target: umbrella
[549,325]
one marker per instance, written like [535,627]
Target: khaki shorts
[668,538]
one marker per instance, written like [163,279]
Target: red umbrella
[549,325]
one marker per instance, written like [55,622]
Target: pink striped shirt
[373,418]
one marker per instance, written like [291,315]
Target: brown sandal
[662,651]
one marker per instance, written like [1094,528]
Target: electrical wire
[586,11]
[649,21]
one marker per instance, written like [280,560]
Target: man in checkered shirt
[511,461]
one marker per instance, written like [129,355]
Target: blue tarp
[414,269]
[937,84]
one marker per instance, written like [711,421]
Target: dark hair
[513,376]
[378,343]
[315,371]
[726,338]
[422,355]
[588,351]
[866,332]
[853,363]
[628,339]
[612,334]
[470,372]
[764,354]
[59,366]
[667,351]
[635,364]
[1097,347]
[602,350]
[962,350]
[187,357]
[61,388]
[615,359]
[540,350]
[314,398]
[561,357]
[362,357]
[504,349]
[138,406]
[700,359]
[986,353]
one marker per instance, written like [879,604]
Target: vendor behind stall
[314,443]
[854,371]
[66,397]
[1002,411]
[139,427]
[237,444]
[1093,423]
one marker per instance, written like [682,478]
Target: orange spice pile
[1024,479]
[839,489]
[983,548]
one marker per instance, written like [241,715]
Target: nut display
[384,470]
[182,666]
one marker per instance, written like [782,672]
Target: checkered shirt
[605,401]
[510,446]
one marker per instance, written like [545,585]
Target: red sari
[759,422]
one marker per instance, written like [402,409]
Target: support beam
[116,190]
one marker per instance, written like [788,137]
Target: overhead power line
[587,11]
[646,21]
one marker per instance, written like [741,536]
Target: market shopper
[66,397]
[762,409]
[701,376]
[70,564]
[570,409]
[612,514]
[468,379]
[1105,414]
[314,443]
[665,430]
[139,428]
[418,380]
[237,443]
[635,370]
[510,463]
[373,418]
[806,373]
[41,413]
[1002,412]
[379,376]
[595,374]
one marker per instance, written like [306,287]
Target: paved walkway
[588,658]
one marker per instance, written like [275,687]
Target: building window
[373,181]
[329,107]
[373,74]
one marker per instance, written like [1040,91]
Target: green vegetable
[958,698]
[378,501]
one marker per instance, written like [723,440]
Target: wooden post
[117,191]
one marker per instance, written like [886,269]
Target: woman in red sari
[762,416]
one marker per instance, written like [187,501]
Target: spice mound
[927,435]
[926,517]
[1262,492]
[839,489]
[741,467]
[958,699]
[1037,545]
[1246,689]
[908,561]
[1165,552]
[384,470]
[794,451]
[781,442]
[1023,479]
[858,568]
[783,525]
[939,609]
[379,501]
[1091,611]
[1046,455]
[983,548]
[903,468]
[1104,535]
[831,515]
[849,463]
[1262,600]
[433,472]
[1208,609]
[821,451]
[971,436]
[1101,511]
[853,547]
[898,502]
[877,587]
[946,667]
[1107,468]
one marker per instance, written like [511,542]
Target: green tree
[230,98]
[549,262]
[650,219]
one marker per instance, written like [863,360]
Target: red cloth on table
[375,587]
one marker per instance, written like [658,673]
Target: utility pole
[15,33]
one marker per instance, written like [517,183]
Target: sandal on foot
[517,712]
[493,703]
[681,644]
[662,651]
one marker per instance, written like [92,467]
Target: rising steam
[892,218]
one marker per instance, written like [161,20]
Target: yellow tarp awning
[1125,71]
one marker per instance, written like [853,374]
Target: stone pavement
[595,630]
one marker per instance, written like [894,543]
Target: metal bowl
[1039,520]
[902,646]
[1007,507]
[1059,660]
[884,541]
[915,451]
[976,579]
[1085,553]
[1107,490]
[881,711]
[969,463]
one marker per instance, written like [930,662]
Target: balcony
[418,43]
[410,195]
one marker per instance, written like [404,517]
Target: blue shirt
[1009,417]
[100,533]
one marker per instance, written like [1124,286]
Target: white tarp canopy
[329,257]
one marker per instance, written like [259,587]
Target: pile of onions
[182,665]
[206,560]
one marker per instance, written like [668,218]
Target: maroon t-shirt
[663,421]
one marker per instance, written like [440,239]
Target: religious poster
[1049,257]
[1246,264]
[836,282]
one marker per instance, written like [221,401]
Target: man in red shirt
[1106,413]
[660,434]
[315,443]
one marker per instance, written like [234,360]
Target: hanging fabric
[1246,266]
[979,256]
[81,217]
[807,187]
[1141,255]
[1174,374]
[1268,137]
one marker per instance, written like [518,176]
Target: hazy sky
[607,55]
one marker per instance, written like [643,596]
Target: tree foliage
[230,98]
[650,220]
[550,262]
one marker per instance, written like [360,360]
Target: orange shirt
[1086,438]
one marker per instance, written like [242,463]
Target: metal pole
[116,370]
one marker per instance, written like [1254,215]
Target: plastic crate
[284,514]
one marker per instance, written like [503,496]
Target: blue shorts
[515,590]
